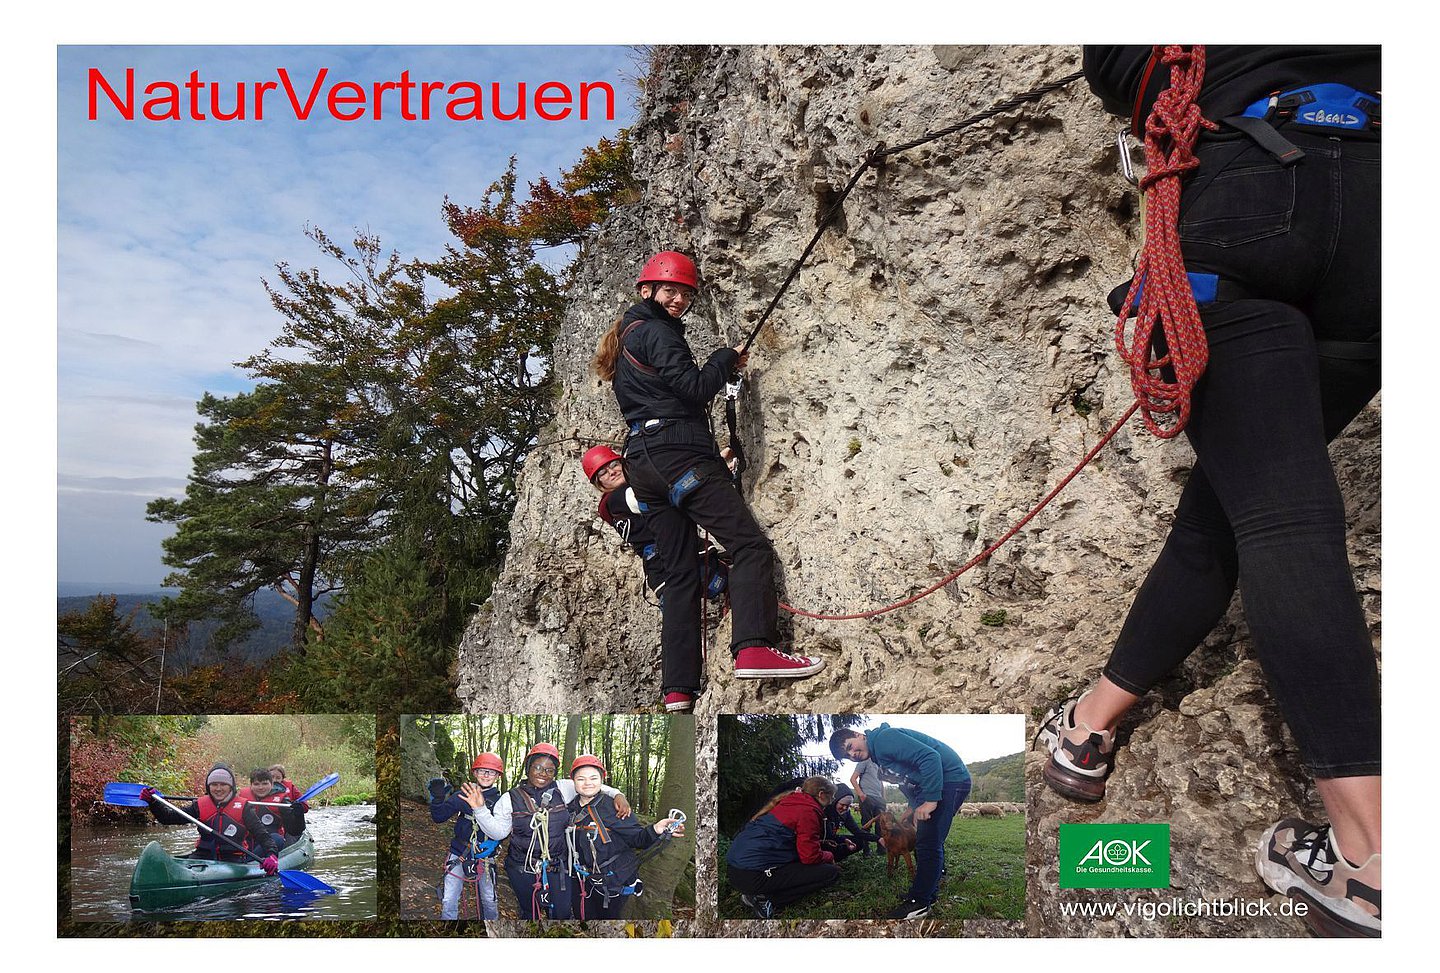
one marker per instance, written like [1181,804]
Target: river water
[103,858]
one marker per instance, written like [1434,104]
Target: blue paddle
[294,880]
[324,783]
[125,794]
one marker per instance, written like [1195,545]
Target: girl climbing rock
[676,470]
[1281,217]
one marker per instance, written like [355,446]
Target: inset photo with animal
[547,817]
[855,816]
[222,817]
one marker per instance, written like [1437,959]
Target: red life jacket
[270,817]
[228,820]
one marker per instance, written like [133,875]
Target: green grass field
[984,859]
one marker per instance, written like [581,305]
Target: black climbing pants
[783,884]
[654,463]
[1289,368]
[554,901]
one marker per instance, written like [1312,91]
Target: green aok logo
[1114,856]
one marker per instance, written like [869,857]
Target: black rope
[876,157]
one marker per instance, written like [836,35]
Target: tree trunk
[572,740]
[643,790]
[666,870]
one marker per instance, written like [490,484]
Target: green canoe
[161,880]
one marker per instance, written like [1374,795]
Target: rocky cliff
[945,357]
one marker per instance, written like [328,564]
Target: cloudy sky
[166,230]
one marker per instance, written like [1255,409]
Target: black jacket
[611,856]
[634,530]
[666,384]
[1235,76]
[442,811]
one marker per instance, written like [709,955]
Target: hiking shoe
[1300,859]
[679,702]
[909,909]
[1081,757]
[760,905]
[764,662]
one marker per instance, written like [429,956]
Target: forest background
[174,753]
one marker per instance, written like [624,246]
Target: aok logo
[1117,853]
[1124,856]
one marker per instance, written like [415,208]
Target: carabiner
[1127,164]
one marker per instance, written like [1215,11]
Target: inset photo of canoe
[222,817]
[852,816]
[528,816]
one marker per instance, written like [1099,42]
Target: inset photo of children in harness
[856,816]
[542,816]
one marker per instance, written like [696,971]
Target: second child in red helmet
[622,510]
[678,473]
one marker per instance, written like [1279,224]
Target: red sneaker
[765,662]
[679,702]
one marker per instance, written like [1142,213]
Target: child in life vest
[225,813]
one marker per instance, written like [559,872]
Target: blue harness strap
[1322,106]
[1207,288]
[683,487]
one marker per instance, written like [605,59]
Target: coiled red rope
[1166,301]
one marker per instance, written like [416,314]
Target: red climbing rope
[1166,300]
[985,554]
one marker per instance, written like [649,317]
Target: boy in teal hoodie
[940,783]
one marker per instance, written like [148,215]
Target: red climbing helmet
[586,760]
[488,761]
[595,458]
[669,266]
[542,750]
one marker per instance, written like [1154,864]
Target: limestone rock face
[418,764]
[943,359]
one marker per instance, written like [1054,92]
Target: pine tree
[266,506]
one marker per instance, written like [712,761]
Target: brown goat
[898,840]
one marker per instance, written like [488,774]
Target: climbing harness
[478,862]
[537,853]
[593,880]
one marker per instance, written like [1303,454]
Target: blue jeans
[1287,372]
[455,886]
[930,838]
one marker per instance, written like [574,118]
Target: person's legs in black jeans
[1190,587]
[1304,241]
[784,883]
[653,465]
